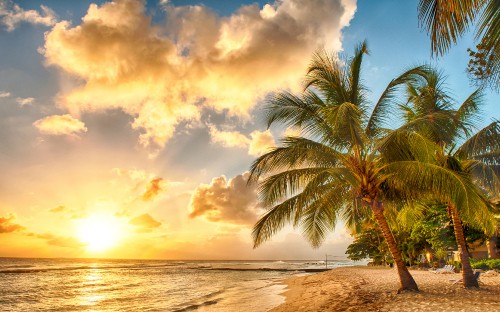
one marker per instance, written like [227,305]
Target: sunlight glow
[99,232]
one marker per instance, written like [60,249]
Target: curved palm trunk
[467,273]
[407,281]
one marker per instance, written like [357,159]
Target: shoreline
[359,288]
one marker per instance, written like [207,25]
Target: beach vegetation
[486,264]
[346,163]
[475,156]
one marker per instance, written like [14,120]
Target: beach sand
[375,289]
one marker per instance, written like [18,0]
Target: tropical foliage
[477,158]
[346,164]
[486,264]
[447,20]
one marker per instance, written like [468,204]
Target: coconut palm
[447,20]
[344,164]
[478,157]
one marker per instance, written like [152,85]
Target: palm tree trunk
[491,243]
[467,274]
[405,278]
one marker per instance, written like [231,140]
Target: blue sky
[150,114]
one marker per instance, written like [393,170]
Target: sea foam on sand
[374,289]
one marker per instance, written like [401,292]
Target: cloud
[59,241]
[257,144]
[145,223]
[228,138]
[226,201]
[154,188]
[25,101]
[163,75]
[60,208]
[60,125]
[4,94]
[261,143]
[12,14]
[8,226]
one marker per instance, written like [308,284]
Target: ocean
[147,285]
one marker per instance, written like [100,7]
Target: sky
[128,127]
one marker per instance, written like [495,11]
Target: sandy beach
[374,289]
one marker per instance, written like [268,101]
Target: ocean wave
[35,269]
[203,301]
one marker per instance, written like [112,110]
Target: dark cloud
[7,226]
[230,201]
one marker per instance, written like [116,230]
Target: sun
[98,232]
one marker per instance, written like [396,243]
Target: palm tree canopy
[343,159]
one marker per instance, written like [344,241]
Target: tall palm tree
[344,164]
[447,20]
[477,158]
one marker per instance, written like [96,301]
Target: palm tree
[447,20]
[344,164]
[478,157]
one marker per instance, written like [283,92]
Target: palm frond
[468,114]
[346,123]
[356,88]
[446,20]
[290,211]
[401,145]
[381,111]
[415,178]
[484,141]
[321,216]
[296,152]
[284,184]
[484,175]
[326,73]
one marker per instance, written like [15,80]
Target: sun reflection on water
[92,282]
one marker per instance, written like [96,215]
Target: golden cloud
[162,77]
[229,201]
[59,241]
[60,125]
[145,222]
[259,142]
[8,226]
[154,188]
[60,208]
[262,142]
[228,138]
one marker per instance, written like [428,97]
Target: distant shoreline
[357,288]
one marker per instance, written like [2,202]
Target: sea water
[146,285]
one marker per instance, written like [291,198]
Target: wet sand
[375,289]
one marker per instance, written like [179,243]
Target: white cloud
[4,94]
[12,14]
[60,125]
[25,101]
[200,60]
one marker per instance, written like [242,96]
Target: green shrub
[485,264]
